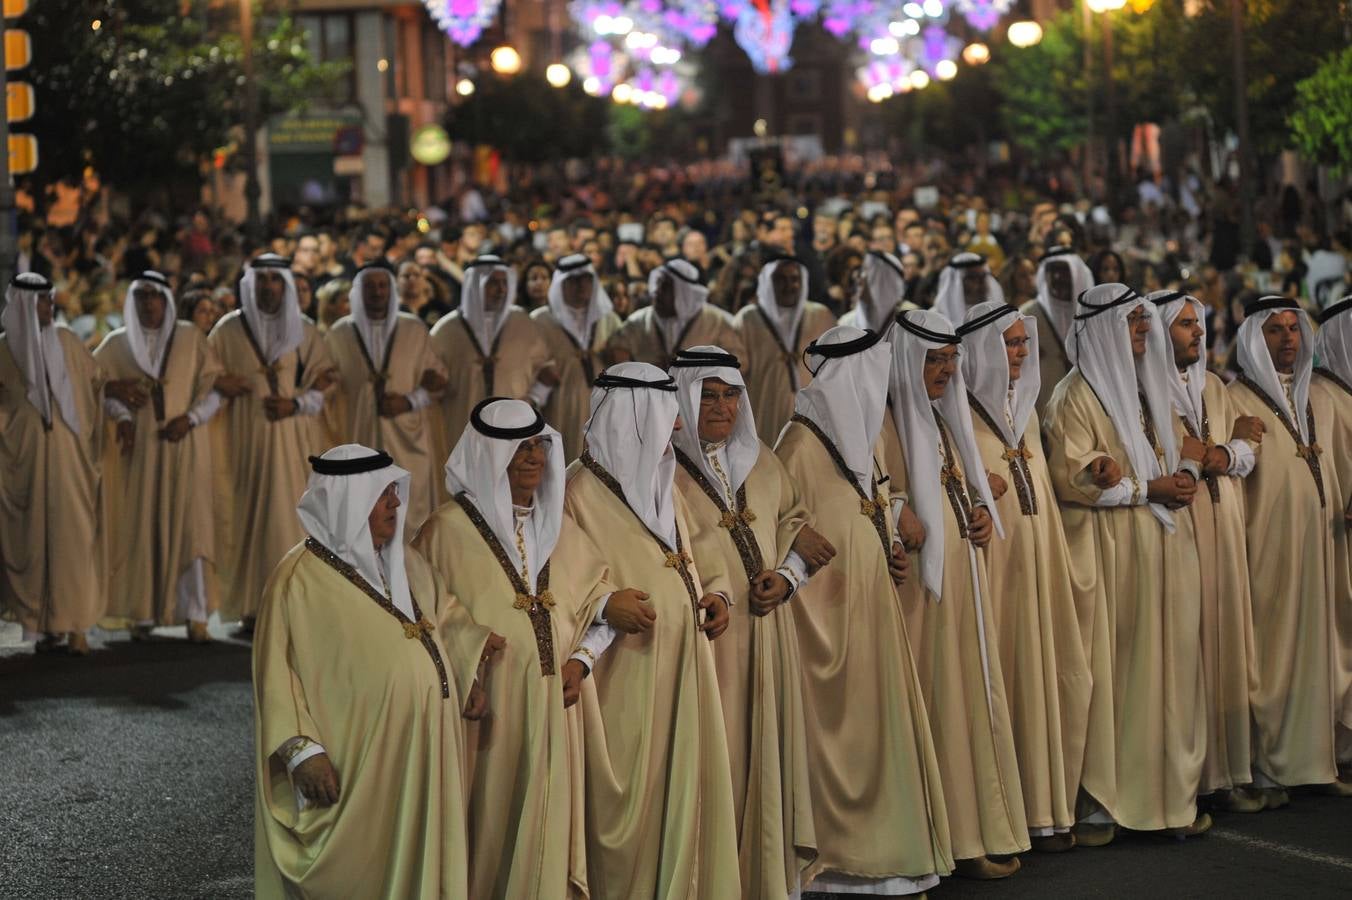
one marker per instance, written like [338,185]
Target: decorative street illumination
[976,54]
[920,79]
[945,69]
[558,75]
[1025,33]
[505,60]
[1102,6]
[880,92]
[622,93]
[884,46]
[592,85]
[464,87]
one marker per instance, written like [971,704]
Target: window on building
[328,37]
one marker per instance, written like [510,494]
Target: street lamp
[505,60]
[558,75]
[1102,6]
[464,87]
[976,54]
[1025,33]
[945,69]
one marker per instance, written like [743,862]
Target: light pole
[251,188]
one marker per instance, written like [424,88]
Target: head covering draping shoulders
[847,397]
[784,320]
[37,351]
[279,333]
[578,325]
[1062,314]
[691,368]
[1256,362]
[484,324]
[690,293]
[950,300]
[375,334]
[1186,392]
[886,288]
[985,367]
[1333,344]
[148,347]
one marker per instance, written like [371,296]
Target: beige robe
[262,467]
[1034,602]
[965,696]
[758,672]
[641,339]
[157,502]
[1292,581]
[1326,392]
[569,404]
[507,369]
[659,794]
[877,801]
[524,762]
[1053,363]
[50,501]
[1147,729]
[408,437]
[770,368]
[333,664]
[1227,614]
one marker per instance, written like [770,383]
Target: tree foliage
[149,93]
[1044,91]
[1321,122]
[528,120]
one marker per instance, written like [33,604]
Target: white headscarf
[1333,344]
[690,294]
[950,301]
[1256,362]
[579,326]
[1062,315]
[335,511]
[148,347]
[847,398]
[375,335]
[629,435]
[784,320]
[1103,353]
[917,332]
[886,289]
[985,367]
[277,334]
[482,323]
[38,351]
[743,447]
[478,468]
[1187,396]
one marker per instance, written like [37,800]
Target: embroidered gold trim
[878,516]
[1311,452]
[1017,457]
[737,524]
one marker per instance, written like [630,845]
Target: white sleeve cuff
[1117,495]
[1192,468]
[310,403]
[898,504]
[593,645]
[205,411]
[600,617]
[795,570]
[116,410]
[539,394]
[307,749]
[1242,459]
[418,399]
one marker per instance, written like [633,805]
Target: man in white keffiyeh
[963,283]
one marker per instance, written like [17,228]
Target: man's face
[719,404]
[940,367]
[472,238]
[914,236]
[150,307]
[375,295]
[974,285]
[1059,282]
[270,288]
[1282,333]
[936,250]
[411,281]
[326,246]
[527,468]
[578,290]
[905,218]
[910,267]
[663,233]
[664,300]
[1138,324]
[556,243]
[1110,272]
[495,290]
[425,256]
[883,239]
[206,314]
[373,246]
[1186,336]
[46,306]
[787,280]
[384,518]
[695,246]
[581,237]
[823,231]
[781,235]
[1016,348]
[305,294]
[307,255]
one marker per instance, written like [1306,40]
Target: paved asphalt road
[128,774]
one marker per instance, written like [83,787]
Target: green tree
[1044,90]
[150,92]
[528,120]
[1321,123]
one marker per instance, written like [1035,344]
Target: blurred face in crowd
[375,295]
[780,233]
[581,237]
[1186,336]
[495,291]
[578,290]
[663,233]
[664,300]
[413,286]
[695,247]
[914,236]
[472,239]
[1016,349]
[537,285]
[592,250]
[983,224]
[306,259]
[1110,271]
[425,257]
[975,285]
[1281,332]
[150,307]
[823,231]
[280,245]
[1059,283]
[940,367]
[556,243]
[326,247]
[787,280]
[205,314]
[384,518]
[270,289]
[936,250]
[719,405]
[1138,321]
[305,293]
[883,239]
[905,218]
[370,248]
[910,266]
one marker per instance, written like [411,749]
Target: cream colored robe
[659,795]
[642,340]
[1053,363]
[262,467]
[1228,670]
[877,801]
[767,363]
[333,664]
[524,762]
[409,437]
[569,404]
[1292,581]
[758,672]
[157,502]
[1147,729]
[1034,602]
[50,536]
[973,736]
[1327,392]
[507,369]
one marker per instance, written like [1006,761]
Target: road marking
[1285,849]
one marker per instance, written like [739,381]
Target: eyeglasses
[709,398]
[942,359]
[1016,343]
[542,443]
